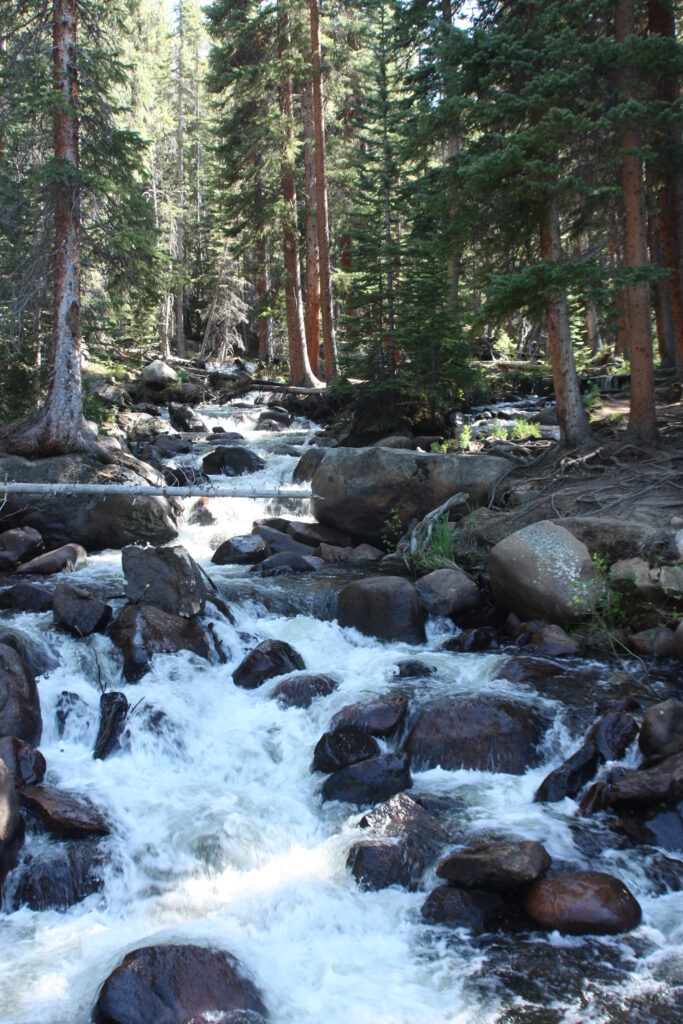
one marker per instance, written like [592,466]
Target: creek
[219,835]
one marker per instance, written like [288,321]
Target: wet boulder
[449,592]
[165,446]
[613,734]
[386,607]
[402,817]
[142,631]
[168,578]
[662,730]
[177,984]
[370,781]
[68,558]
[378,717]
[185,419]
[481,733]
[113,714]
[271,658]
[499,866]
[26,597]
[661,784]
[379,863]
[62,814]
[18,545]
[582,903]
[19,701]
[284,563]
[55,875]
[459,908]
[235,460]
[342,747]
[281,542]
[357,489]
[275,416]
[25,763]
[302,688]
[544,572]
[247,550]
[79,612]
[307,465]
[11,822]
[607,740]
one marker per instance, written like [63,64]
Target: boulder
[361,553]
[479,733]
[457,908]
[582,903]
[271,658]
[386,607]
[278,541]
[400,441]
[342,747]
[143,427]
[544,572]
[11,822]
[285,562]
[607,740]
[19,700]
[498,866]
[678,640]
[379,717]
[552,642]
[113,713]
[655,643]
[62,814]
[185,419]
[179,984]
[247,550]
[168,578]
[613,734]
[89,520]
[165,446]
[280,416]
[662,730]
[25,764]
[661,784]
[78,611]
[68,558]
[448,592]
[17,546]
[158,374]
[232,461]
[55,875]
[358,489]
[201,514]
[302,688]
[370,781]
[307,465]
[401,817]
[314,535]
[142,631]
[26,597]
[379,863]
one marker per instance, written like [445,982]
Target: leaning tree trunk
[642,425]
[571,415]
[59,426]
[312,313]
[299,365]
[329,339]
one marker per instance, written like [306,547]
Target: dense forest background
[388,191]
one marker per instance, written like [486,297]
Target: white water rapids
[220,836]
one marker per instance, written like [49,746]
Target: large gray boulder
[384,606]
[168,578]
[93,521]
[358,489]
[448,592]
[544,572]
[158,374]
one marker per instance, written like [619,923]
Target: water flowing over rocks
[113,712]
[19,701]
[182,984]
[232,461]
[63,814]
[302,688]
[78,612]
[184,418]
[582,903]
[379,717]
[56,875]
[271,658]
[379,863]
[342,747]
[403,818]
[607,740]
[386,607]
[142,631]
[370,781]
[167,578]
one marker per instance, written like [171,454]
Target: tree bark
[265,334]
[574,427]
[620,338]
[312,314]
[59,426]
[642,424]
[299,365]
[180,297]
[329,339]
[659,293]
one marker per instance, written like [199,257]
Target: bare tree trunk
[299,365]
[574,427]
[59,426]
[659,293]
[198,177]
[162,324]
[388,254]
[312,314]
[329,340]
[180,298]
[621,339]
[642,425]
[265,333]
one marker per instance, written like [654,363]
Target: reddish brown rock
[498,866]
[67,558]
[142,631]
[379,717]
[662,729]
[582,903]
[402,817]
[78,611]
[63,814]
[379,863]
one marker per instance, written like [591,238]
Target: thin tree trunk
[327,311]
[299,365]
[620,338]
[312,314]
[59,426]
[659,293]
[265,334]
[642,425]
[162,325]
[180,297]
[591,313]
[198,177]
[388,254]
[574,427]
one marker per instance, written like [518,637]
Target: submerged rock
[142,631]
[369,781]
[386,607]
[271,658]
[19,701]
[582,903]
[178,984]
[78,611]
[55,875]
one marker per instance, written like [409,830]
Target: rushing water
[220,836]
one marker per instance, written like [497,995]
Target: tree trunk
[659,293]
[265,334]
[669,192]
[642,425]
[329,340]
[299,365]
[574,427]
[312,314]
[180,297]
[620,339]
[59,426]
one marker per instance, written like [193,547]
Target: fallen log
[149,490]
